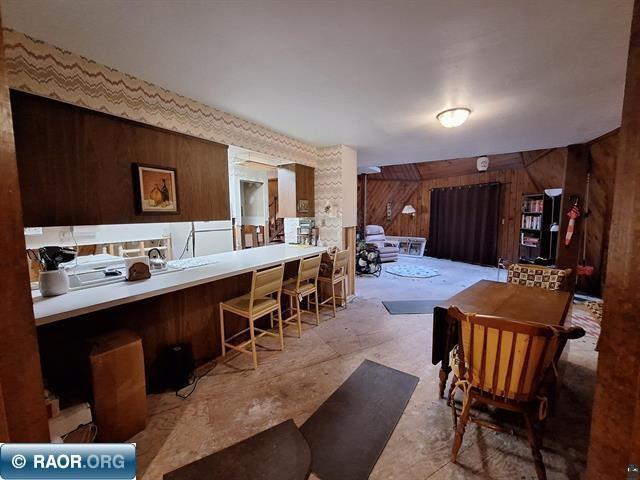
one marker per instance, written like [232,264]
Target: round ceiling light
[453,117]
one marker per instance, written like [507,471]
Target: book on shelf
[529,240]
[532,205]
[531,222]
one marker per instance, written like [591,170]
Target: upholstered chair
[389,250]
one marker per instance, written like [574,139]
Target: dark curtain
[463,223]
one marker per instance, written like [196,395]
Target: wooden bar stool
[304,285]
[338,275]
[252,306]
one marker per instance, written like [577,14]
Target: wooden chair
[252,306]
[537,276]
[303,285]
[338,275]
[506,364]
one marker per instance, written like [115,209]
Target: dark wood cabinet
[74,166]
[296,191]
[305,191]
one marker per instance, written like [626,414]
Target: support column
[615,423]
[573,186]
[20,375]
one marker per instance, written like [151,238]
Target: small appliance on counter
[53,280]
[307,232]
[157,261]
[137,268]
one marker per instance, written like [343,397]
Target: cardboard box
[119,387]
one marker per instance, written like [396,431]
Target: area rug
[583,317]
[415,271]
[349,431]
[279,453]
[408,307]
[595,307]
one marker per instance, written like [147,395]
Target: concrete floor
[234,401]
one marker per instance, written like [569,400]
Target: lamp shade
[408,210]
[553,192]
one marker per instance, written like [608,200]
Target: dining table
[506,300]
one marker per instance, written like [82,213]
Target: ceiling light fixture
[453,117]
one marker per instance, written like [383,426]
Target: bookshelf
[538,238]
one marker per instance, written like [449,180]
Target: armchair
[389,249]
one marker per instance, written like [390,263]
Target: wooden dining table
[487,297]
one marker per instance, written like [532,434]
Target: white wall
[253,201]
[96,234]
[220,240]
[211,237]
[238,173]
[291,230]
[349,187]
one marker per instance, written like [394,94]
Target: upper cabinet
[296,191]
[75,167]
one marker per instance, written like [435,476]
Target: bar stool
[252,306]
[304,285]
[338,275]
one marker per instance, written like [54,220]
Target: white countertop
[229,264]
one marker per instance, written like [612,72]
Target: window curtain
[463,223]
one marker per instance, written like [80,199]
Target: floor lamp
[553,193]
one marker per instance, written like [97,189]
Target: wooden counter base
[189,315]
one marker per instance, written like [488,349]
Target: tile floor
[233,401]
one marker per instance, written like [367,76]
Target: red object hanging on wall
[572,214]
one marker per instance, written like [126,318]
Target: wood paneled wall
[520,173]
[545,168]
[75,166]
[508,170]
[604,153]
[22,408]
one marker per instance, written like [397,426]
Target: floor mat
[406,307]
[349,431]
[415,271]
[279,453]
[583,317]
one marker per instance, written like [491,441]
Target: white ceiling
[370,74]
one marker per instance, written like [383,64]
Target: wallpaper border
[37,67]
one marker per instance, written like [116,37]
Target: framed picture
[303,206]
[155,189]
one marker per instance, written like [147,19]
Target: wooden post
[20,375]
[364,206]
[615,422]
[573,186]
[349,239]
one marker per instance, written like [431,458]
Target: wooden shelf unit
[537,241]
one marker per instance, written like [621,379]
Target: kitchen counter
[228,264]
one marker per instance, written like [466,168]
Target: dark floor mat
[405,307]
[349,431]
[280,453]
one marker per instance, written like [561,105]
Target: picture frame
[303,206]
[155,189]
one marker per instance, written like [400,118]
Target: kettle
[157,260]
